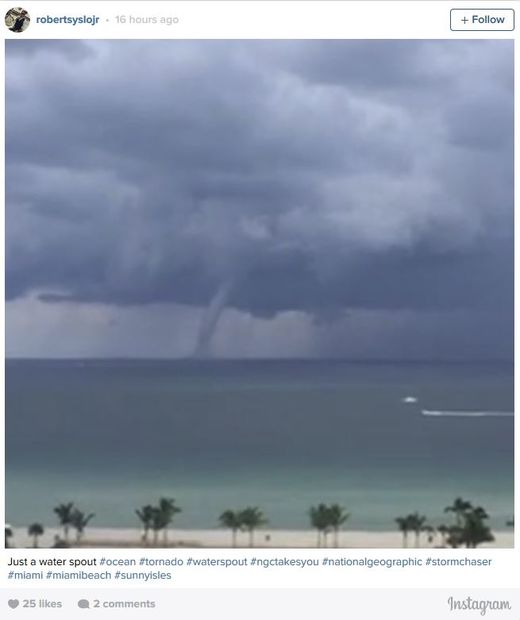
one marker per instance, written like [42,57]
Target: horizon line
[357,360]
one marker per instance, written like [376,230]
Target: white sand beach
[221,538]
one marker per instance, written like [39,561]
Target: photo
[259,293]
[17,19]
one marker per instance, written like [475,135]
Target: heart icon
[13,603]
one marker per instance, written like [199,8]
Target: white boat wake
[467,414]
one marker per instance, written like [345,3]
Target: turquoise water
[113,435]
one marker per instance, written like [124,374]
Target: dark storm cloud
[312,175]
[72,50]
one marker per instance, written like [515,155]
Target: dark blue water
[112,435]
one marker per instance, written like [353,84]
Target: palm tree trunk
[35,541]
[233,537]
[417,535]
[318,544]
[251,541]
[66,532]
[336,537]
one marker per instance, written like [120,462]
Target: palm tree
[251,519]
[232,520]
[417,523]
[470,527]
[8,535]
[145,515]
[157,523]
[337,516]
[476,533]
[168,510]
[35,530]
[479,512]
[64,513]
[404,525]
[475,530]
[320,519]
[459,508]
[79,521]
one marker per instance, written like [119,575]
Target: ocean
[112,435]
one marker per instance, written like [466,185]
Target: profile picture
[17,19]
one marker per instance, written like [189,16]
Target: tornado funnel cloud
[211,318]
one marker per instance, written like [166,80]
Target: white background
[281,20]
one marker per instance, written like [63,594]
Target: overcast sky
[260,199]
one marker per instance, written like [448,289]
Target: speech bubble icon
[83,603]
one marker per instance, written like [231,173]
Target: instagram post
[259,309]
